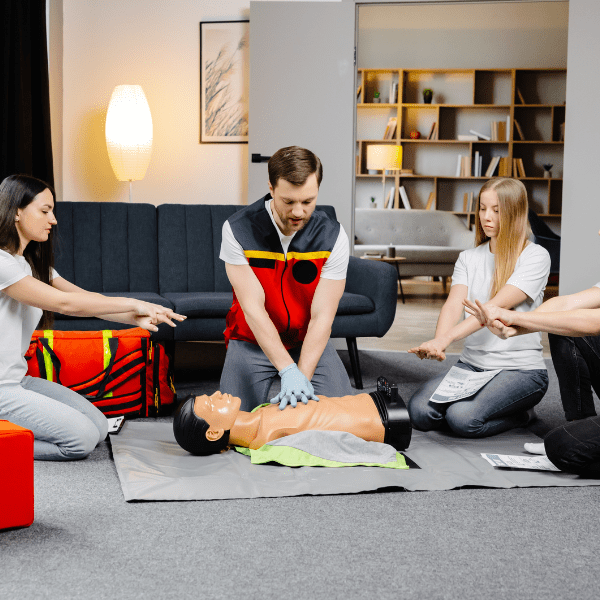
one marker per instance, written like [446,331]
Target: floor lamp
[129,133]
[383,157]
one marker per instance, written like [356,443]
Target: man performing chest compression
[287,266]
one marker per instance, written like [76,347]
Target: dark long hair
[18,191]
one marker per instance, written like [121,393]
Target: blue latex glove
[294,386]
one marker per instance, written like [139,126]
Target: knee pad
[190,431]
[393,413]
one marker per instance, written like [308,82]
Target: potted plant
[376,98]
[427,95]
[373,203]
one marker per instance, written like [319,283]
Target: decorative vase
[373,204]
[547,174]
[427,96]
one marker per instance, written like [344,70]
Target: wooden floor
[416,320]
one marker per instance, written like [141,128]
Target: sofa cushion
[201,304]
[355,304]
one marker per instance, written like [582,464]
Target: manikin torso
[354,414]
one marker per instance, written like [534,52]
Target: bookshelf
[529,105]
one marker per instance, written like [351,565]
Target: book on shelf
[481,136]
[471,204]
[463,137]
[562,132]
[507,129]
[404,197]
[458,165]
[520,96]
[358,91]
[465,166]
[498,131]
[394,92]
[433,132]
[492,166]
[520,167]
[390,130]
[476,164]
[480,166]
[465,202]
[390,196]
[505,167]
[519,130]
[431,201]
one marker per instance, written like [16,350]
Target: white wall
[471,35]
[581,202]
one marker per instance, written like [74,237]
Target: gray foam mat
[152,466]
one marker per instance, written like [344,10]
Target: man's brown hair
[294,164]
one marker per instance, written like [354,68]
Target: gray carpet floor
[86,542]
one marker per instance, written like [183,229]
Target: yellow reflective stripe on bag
[49,335]
[106,335]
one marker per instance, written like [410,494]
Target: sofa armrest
[379,282]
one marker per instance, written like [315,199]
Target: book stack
[390,130]
[468,200]
[463,166]
[518,167]
[433,132]
[499,131]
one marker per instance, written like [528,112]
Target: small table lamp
[384,157]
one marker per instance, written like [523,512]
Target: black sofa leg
[353,352]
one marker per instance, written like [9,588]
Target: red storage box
[16,476]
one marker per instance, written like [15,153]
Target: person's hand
[498,320]
[294,386]
[147,314]
[433,349]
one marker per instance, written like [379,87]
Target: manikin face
[294,204]
[219,411]
[489,214]
[35,221]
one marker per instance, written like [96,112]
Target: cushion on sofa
[201,304]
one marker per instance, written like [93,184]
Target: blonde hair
[514,230]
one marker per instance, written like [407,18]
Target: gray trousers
[248,374]
[65,425]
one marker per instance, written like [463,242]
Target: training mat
[151,466]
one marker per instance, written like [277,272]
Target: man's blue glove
[294,386]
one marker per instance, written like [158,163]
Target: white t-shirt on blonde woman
[475,269]
[17,320]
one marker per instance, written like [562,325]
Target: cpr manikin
[208,424]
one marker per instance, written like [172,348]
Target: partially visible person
[287,264]
[64,424]
[573,326]
[504,269]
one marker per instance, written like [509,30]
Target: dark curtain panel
[25,140]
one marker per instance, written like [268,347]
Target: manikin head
[295,175]
[201,425]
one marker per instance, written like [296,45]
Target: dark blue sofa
[170,255]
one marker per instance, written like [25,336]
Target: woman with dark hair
[504,269]
[65,425]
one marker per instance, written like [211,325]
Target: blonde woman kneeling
[507,270]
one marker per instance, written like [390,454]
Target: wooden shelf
[464,100]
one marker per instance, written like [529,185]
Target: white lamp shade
[384,156]
[129,132]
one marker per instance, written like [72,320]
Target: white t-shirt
[17,320]
[335,266]
[475,269]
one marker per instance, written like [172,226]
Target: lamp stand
[383,189]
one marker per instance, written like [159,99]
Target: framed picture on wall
[224,81]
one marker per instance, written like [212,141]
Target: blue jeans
[577,365]
[500,405]
[65,425]
[249,374]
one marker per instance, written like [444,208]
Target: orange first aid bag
[109,368]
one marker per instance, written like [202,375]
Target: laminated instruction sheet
[460,383]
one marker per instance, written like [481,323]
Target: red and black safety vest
[289,283]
